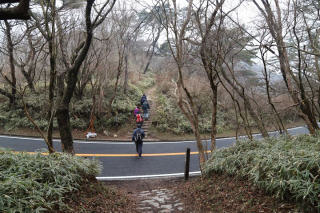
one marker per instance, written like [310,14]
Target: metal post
[187,166]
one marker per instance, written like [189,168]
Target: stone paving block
[178,204]
[145,208]
[143,192]
[164,211]
[166,207]
[159,199]
[151,203]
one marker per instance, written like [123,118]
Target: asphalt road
[119,159]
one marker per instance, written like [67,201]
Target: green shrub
[284,167]
[168,117]
[80,110]
[146,81]
[34,183]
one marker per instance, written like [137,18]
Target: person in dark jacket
[137,138]
[143,98]
[145,107]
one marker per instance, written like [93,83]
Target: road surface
[119,159]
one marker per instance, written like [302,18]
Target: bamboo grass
[37,183]
[284,167]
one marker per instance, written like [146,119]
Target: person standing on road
[137,138]
[145,107]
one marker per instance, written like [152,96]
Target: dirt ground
[219,193]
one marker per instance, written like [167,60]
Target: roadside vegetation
[80,110]
[53,183]
[71,65]
[169,118]
[286,168]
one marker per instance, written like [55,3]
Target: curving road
[119,159]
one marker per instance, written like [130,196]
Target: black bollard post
[187,166]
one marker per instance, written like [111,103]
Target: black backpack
[138,137]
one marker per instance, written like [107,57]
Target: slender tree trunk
[247,104]
[53,72]
[237,119]
[100,100]
[13,80]
[126,75]
[29,79]
[191,115]
[316,62]
[214,117]
[237,105]
[65,128]
[62,113]
[152,51]
[201,150]
[275,27]
[115,90]
[281,125]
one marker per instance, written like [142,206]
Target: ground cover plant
[37,183]
[80,111]
[169,118]
[287,168]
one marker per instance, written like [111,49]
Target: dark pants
[145,114]
[141,123]
[139,147]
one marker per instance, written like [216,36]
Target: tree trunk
[65,130]
[275,27]
[13,81]
[202,158]
[115,90]
[191,115]
[53,72]
[281,125]
[29,79]
[125,84]
[214,117]
[152,51]
[237,105]
[72,77]
[247,104]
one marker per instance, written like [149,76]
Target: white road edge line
[146,176]
[125,143]
[89,142]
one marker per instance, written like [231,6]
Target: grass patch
[37,183]
[287,168]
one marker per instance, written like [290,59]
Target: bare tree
[72,71]
[263,52]
[274,21]
[12,80]
[176,29]
[212,64]
[151,22]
